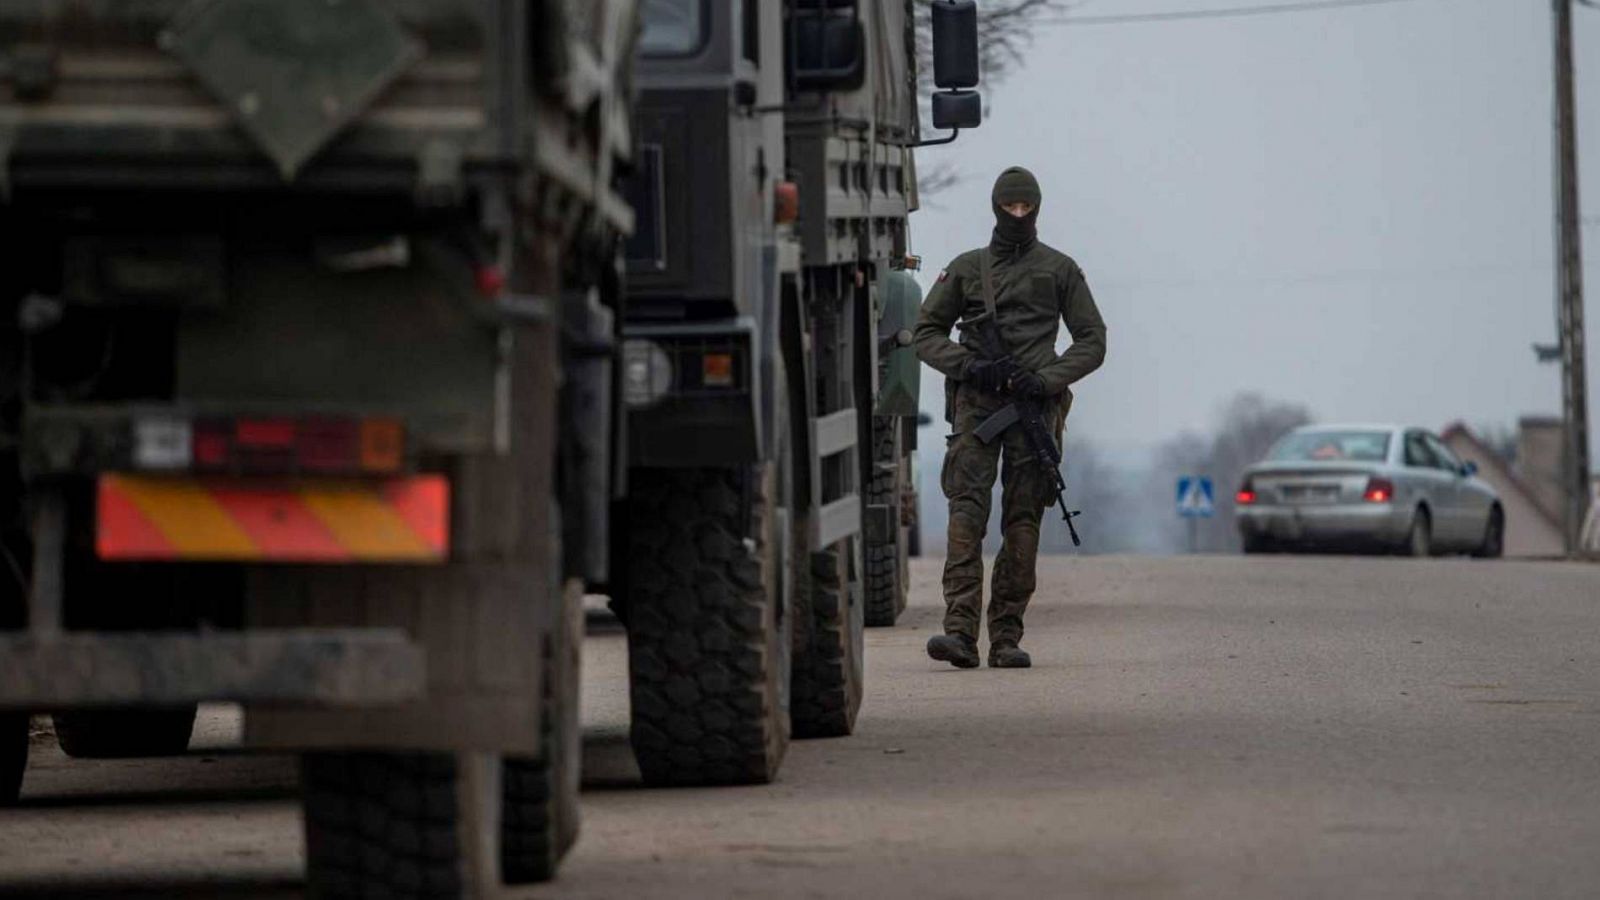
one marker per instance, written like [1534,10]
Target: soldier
[1035,288]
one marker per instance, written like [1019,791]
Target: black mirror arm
[937,141]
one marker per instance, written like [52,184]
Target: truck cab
[767,392]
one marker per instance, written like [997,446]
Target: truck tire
[887,565]
[539,798]
[828,647]
[13,755]
[708,631]
[124,733]
[381,825]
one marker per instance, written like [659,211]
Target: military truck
[288,288]
[769,395]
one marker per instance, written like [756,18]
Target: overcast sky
[1349,209]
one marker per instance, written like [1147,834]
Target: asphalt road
[1193,727]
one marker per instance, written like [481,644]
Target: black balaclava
[1015,185]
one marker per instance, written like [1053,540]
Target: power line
[1228,12]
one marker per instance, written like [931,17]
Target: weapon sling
[988,288]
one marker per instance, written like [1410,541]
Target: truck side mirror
[957,109]
[955,44]
[955,68]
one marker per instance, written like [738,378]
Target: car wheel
[1494,536]
[1419,542]
[1258,543]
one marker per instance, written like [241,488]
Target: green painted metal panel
[900,382]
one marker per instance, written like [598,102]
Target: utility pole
[1569,285]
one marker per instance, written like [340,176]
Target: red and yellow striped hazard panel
[143,517]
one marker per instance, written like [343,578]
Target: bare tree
[1248,426]
[1251,424]
[1004,32]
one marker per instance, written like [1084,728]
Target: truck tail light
[320,445]
[328,445]
[716,370]
[213,444]
[785,202]
[383,445]
[489,280]
[1379,490]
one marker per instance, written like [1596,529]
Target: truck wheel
[124,733]
[381,824]
[13,755]
[828,647]
[539,812]
[708,631]
[887,556]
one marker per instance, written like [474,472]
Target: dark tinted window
[1443,456]
[752,31]
[1417,452]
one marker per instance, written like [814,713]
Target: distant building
[1531,527]
[1540,446]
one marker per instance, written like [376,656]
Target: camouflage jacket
[1036,289]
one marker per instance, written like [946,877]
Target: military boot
[956,649]
[1007,655]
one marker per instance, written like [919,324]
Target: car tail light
[316,445]
[1379,490]
[1246,494]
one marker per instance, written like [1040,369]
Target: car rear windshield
[1332,446]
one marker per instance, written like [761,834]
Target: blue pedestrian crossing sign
[1196,499]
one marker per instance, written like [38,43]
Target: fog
[1348,210]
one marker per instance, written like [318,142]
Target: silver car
[1367,486]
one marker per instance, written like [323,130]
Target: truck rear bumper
[323,667]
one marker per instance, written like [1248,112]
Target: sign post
[1196,501]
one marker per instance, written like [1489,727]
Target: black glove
[1027,385]
[989,374]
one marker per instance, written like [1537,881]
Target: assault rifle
[980,333]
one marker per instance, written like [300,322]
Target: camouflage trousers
[968,482]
